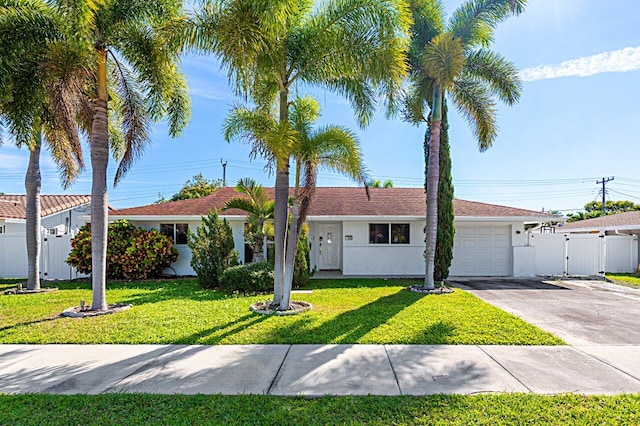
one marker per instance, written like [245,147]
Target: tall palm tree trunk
[292,247]
[99,203]
[433,178]
[281,211]
[33,184]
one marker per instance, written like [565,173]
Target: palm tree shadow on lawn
[352,325]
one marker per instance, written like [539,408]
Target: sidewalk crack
[505,369]
[277,376]
[393,370]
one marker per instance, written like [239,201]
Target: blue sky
[578,120]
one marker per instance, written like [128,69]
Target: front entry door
[329,241]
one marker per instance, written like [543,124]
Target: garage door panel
[482,251]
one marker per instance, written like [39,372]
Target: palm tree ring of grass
[84,311]
[269,308]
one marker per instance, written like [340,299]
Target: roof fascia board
[416,218]
[166,218]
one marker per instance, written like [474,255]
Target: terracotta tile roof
[340,201]
[622,220]
[13,206]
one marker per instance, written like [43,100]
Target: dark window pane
[167,230]
[378,233]
[181,233]
[399,233]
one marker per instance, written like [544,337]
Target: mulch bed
[84,311]
[266,308]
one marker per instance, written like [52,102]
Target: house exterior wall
[362,258]
[182,266]
[54,250]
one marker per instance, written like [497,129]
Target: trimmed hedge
[133,253]
[250,278]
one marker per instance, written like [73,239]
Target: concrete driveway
[579,311]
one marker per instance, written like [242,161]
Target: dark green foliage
[212,250]
[302,264]
[132,252]
[301,271]
[446,229]
[254,277]
[594,209]
[196,187]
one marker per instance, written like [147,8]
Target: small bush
[301,272]
[250,278]
[212,250]
[132,252]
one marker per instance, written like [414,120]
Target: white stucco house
[379,236]
[62,216]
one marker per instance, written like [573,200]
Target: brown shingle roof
[337,201]
[13,206]
[626,220]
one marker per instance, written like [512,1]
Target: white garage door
[481,251]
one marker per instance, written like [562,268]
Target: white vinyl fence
[54,251]
[584,254]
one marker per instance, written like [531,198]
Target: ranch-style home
[378,236]
[62,216]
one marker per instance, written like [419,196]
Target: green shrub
[250,278]
[212,250]
[301,271]
[132,252]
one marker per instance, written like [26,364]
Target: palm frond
[417,99]
[474,21]
[475,103]
[443,60]
[428,22]
[336,148]
[351,40]
[133,117]
[501,75]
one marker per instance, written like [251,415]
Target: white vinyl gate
[584,254]
[53,253]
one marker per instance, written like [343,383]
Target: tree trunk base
[422,290]
[269,308]
[20,290]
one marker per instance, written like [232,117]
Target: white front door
[329,246]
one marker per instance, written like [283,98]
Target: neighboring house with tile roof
[61,216]
[378,236]
[626,222]
[592,246]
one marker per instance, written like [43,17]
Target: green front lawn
[136,409]
[345,311]
[631,280]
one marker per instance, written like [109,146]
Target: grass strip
[493,409]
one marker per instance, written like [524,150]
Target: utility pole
[604,192]
[224,173]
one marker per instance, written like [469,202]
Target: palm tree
[351,47]
[40,93]
[259,208]
[132,51]
[453,59]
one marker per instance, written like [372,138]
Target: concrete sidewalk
[316,370]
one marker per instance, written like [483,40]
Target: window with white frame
[389,233]
[177,232]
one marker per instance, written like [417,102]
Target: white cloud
[624,60]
